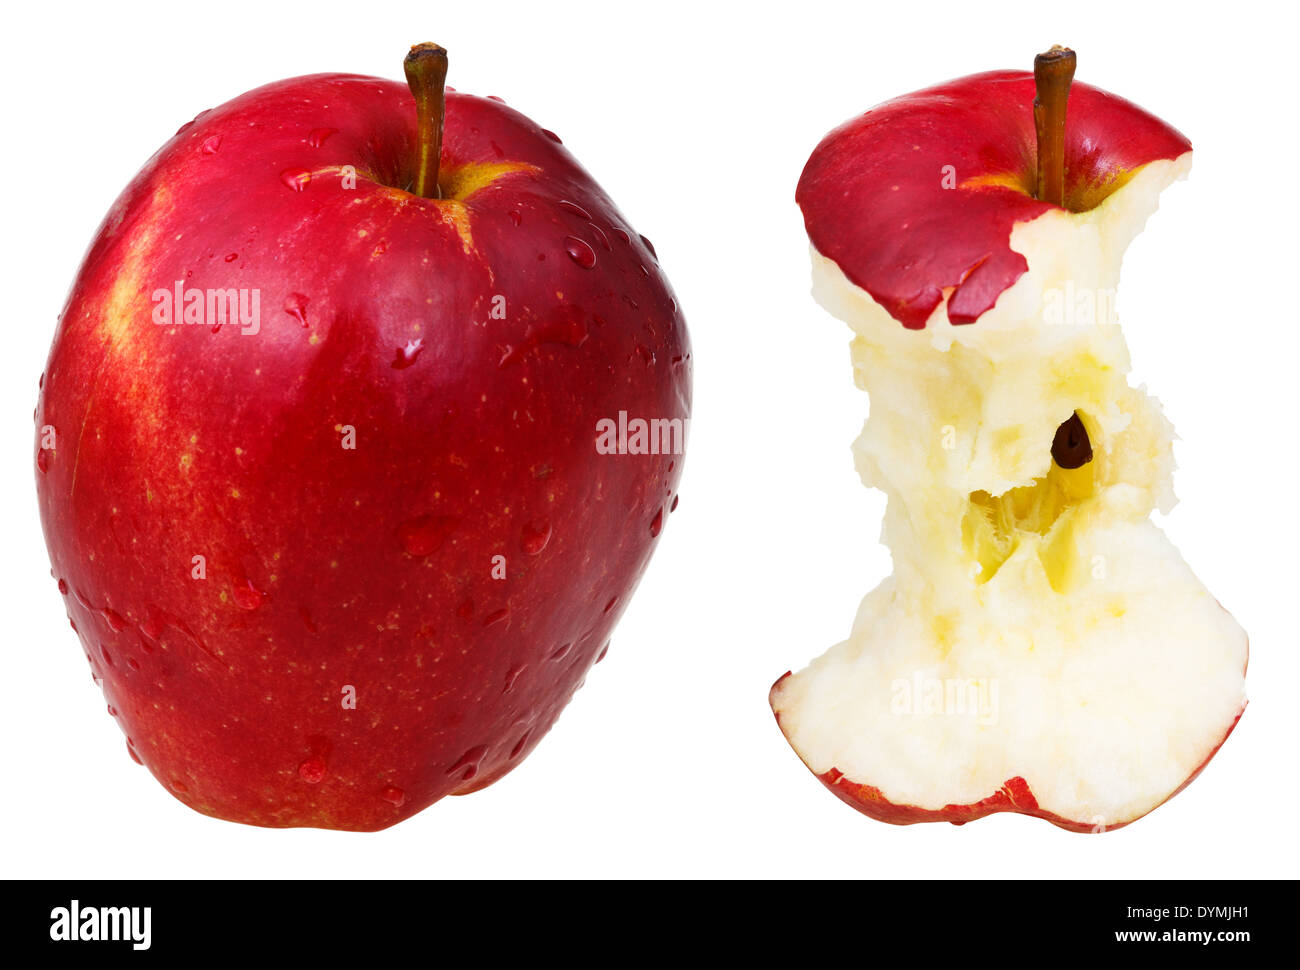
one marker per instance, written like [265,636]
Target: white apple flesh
[1037,626]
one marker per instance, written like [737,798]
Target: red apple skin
[369,568]
[1014,795]
[919,195]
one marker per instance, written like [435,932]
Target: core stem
[1053,73]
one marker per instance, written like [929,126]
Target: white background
[697,118]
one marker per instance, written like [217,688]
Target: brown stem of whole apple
[1053,73]
[426,74]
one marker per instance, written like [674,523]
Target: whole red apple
[324,461]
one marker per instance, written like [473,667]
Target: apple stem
[426,73]
[1053,72]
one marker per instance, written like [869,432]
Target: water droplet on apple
[43,459]
[152,625]
[534,536]
[603,651]
[493,97]
[63,586]
[424,535]
[515,217]
[496,617]
[394,795]
[247,596]
[295,304]
[116,622]
[519,745]
[657,523]
[112,711]
[622,234]
[567,326]
[133,663]
[610,605]
[211,145]
[552,136]
[580,252]
[405,356]
[650,246]
[231,257]
[513,676]
[559,654]
[601,238]
[296,178]
[108,657]
[312,771]
[574,209]
[130,749]
[468,763]
[317,136]
[180,786]
[673,507]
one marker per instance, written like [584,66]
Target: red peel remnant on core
[919,195]
[1014,796]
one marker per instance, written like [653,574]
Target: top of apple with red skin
[919,195]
